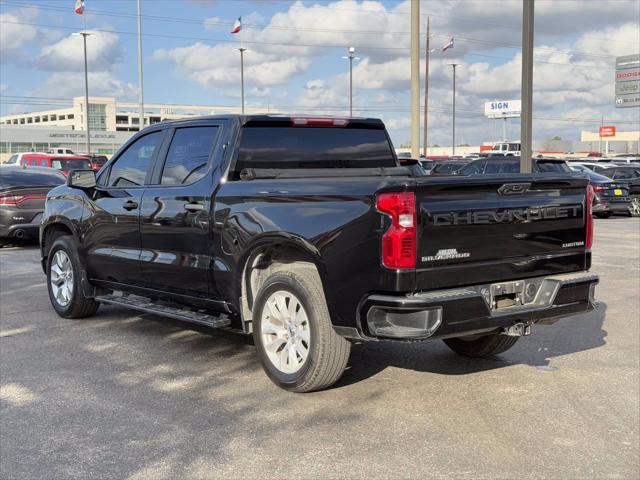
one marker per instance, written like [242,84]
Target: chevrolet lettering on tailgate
[507,215]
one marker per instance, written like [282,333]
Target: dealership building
[111,123]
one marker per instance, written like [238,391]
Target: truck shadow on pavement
[567,336]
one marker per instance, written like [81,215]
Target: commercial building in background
[110,122]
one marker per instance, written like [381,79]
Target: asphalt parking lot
[124,395]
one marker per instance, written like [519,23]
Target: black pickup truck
[308,234]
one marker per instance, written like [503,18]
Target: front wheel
[294,337]
[481,346]
[63,281]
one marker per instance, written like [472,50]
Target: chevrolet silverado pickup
[308,234]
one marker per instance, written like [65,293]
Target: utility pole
[351,57]
[86,89]
[415,79]
[242,50]
[426,92]
[526,148]
[140,80]
[453,139]
[504,129]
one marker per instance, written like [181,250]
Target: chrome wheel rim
[61,278]
[286,336]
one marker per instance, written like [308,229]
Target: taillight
[9,199]
[12,199]
[399,241]
[319,122]
[589,218]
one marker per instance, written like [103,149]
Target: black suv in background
[503,164]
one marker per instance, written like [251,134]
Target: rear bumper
[19,223]
[618,206]
[468,311]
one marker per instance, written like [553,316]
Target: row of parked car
[26,179]
[616,181]
[65,162]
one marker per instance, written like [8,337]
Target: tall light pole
[453,141]
[85,34]
[242,50]
[415,79]
[426,92]
[526,147]
[140,81]
[351,57]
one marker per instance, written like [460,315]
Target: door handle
[130,205]
[193,207]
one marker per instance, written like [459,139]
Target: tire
[65,277]
[481,347]
[326,355]
[603,215]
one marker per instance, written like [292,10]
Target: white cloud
[218,65]
[14,32]
[71,84]
[103,51]
[3,87]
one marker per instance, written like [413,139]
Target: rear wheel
[481,346]
[294,337]
[63,280]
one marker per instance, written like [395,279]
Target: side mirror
[84,179]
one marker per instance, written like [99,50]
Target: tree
[556,138]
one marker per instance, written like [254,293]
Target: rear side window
[553,167]
[313,147]
[188,155]
[130,169]
[472,168]
[624,174]
[502,167]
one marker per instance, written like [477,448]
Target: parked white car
[61,151]
[509,149]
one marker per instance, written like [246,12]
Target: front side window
[130,169]
[188,155]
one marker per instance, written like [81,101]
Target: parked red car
[64,163]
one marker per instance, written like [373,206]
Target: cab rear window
[313,147]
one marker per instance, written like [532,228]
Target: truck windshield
[313,147]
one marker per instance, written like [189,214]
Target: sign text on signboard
[607,131]
[502,108]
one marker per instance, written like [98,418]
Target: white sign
[627,81]
[502,109]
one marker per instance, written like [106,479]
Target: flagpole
[426,91]
[242,50]
[140,79]
[86,91]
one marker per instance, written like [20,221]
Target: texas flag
[448,45]
[237,26]
[79,7]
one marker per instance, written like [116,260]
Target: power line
[308,45]
[316,30]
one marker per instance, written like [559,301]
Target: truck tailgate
[486,229]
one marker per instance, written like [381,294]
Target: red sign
[607,131]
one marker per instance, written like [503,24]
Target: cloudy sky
[295,63]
